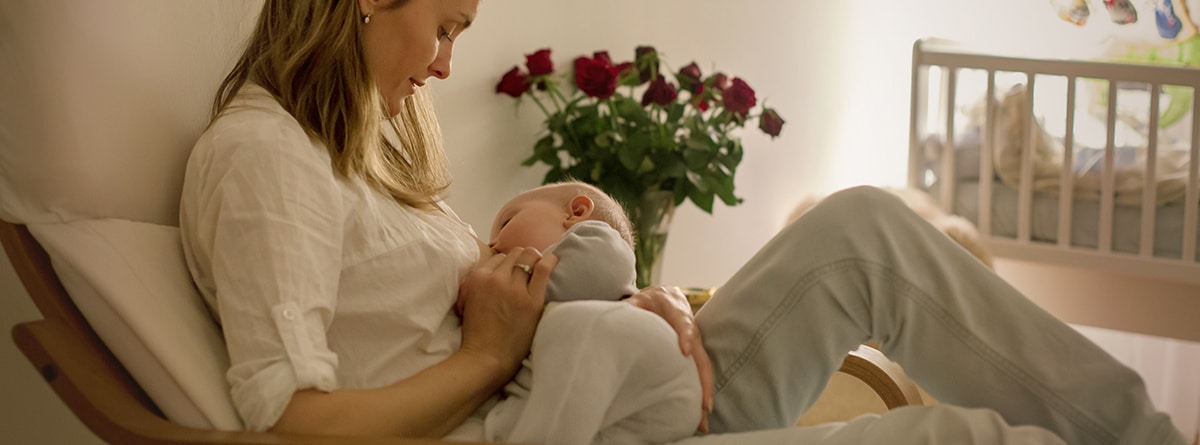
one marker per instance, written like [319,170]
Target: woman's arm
[429,404]
[501,307]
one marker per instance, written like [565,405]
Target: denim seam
[915,294]
[768,325]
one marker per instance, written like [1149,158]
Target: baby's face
[533,219]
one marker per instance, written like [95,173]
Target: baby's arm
[594,264]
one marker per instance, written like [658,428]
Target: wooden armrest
[884,377]
[98,393]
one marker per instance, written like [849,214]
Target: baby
[600,370]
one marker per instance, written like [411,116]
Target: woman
[325,252]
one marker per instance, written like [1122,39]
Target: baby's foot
[1074,11]
[1121,12]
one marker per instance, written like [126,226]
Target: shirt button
[289,314]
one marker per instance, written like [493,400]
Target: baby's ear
[581,209]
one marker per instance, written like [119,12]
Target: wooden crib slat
[1107,173]
[947,168]
[985,157]
[1067,176]
[1149,189]
[1025,190]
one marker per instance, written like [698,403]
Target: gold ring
[524,268]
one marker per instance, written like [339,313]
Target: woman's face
[405,46]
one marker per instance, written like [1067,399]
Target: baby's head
[538,218]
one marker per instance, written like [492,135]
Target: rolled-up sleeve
[271,225]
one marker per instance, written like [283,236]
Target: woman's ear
[581,208]
[366,7]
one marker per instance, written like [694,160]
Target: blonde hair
[606,209]
[309,55]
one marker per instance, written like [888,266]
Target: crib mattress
[1085,221]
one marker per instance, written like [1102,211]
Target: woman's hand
[670,304]
[501,302]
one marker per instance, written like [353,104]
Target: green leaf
[647,166]
[695,159]
[578,171]
[675,111]
[573,149]
[530,160]
[623,190]
[723,187]
[672,167]
[554,175]
[632,111]
[543,151]
[597,172]
[555,122]
[700,193]
[702,199]
[631,155]
[700,141]
[682,189]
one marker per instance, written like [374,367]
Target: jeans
[861,266]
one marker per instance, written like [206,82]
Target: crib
[1081,176]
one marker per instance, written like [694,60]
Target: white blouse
[318,281]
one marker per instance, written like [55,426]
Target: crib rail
[947,59]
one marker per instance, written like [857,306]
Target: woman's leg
[862,266]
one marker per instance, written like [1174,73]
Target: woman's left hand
[670,304]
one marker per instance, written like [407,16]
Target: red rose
[646,60]
[689,78]
[739,97]
[539,62]
[595,78]
[770,122]
[721,82]
[513,83]
[698,99]
[602,57]
[659,92]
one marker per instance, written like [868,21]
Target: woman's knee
[854,211]
[865,200]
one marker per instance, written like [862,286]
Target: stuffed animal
[956,227]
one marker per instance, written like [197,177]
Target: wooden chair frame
[84,373]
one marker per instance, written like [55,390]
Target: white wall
[836,70]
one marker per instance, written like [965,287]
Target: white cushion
[100,105]
[103,100]
[131,282]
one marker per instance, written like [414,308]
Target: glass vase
[651,217]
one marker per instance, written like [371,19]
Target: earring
[366,19]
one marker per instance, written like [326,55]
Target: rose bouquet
[647,137]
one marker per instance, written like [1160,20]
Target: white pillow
[130,281]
